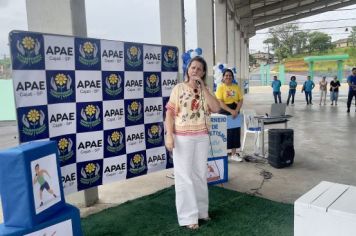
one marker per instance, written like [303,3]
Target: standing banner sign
[217,161]
[101,101]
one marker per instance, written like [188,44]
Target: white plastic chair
[251,126]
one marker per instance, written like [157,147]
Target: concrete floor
[324,142]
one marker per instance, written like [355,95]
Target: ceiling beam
[273,6]
[294,11]
[302,15]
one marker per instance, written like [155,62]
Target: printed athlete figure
[42,182]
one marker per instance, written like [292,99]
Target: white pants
[190,156]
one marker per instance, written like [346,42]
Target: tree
[282,39]
[319,41]
[352,36]
[252,60]
[301,41]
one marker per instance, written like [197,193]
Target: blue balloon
[186,58]
[199,51]
[221,67]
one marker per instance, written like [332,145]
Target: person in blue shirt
[351,80]
[308,86]
[276,85]
[292,88]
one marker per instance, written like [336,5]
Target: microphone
[197,83]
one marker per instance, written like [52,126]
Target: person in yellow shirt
[231,100]
[187,125]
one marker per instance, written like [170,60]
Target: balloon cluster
[218,74]
[187,56]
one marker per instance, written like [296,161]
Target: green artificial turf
[232,213]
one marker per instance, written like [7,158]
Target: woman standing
[187,126]
[323,84]
[230,98]
[334,90]
[292,88]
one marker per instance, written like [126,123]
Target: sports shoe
[348,110]
[236,158]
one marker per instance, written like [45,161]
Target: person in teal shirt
[308,86]
[276,86]
[292,88]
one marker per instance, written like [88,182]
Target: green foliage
[352,36]
[319,41]
[251,59]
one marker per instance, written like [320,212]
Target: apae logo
[152,82]
[137,164]
[154,134]
[61,86]
[90,174]
[88,53]
[33,122]
[134,111]
[115,169]
[29,50]
[65,149]
[170,57]
[115,141]
[90,116]
[112,83]
[134,56]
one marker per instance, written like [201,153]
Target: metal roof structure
[253,15]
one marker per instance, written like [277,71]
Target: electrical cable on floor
[266,176]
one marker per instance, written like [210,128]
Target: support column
[220,31]
[238,54]
[247,63]
[242,58]
[205,34]
[70,21]
[340,67]
[69,18]
[172,25]
[230,41]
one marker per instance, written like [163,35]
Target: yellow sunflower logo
[90,110]
[133,51]
[134,106]
[88,47]
[63,143]
[170,53]
[154,129]
[61,79]
[90,168]
[137,159]
[115,136]
[33,115]
[28,43]
[152,79]
[113,79]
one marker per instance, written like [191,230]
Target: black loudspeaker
[280,147]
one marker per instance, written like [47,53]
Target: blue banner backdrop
[102,102]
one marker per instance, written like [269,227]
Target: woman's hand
[198,79]
[234,113]
[169,141]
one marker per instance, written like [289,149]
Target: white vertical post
[220,32]
[231,39]
[172,25]
[205,36]
[238,53]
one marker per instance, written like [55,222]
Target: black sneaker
[348,110]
